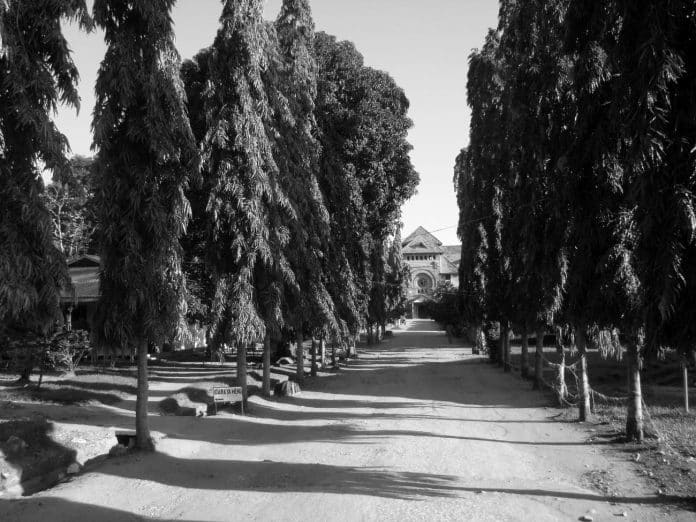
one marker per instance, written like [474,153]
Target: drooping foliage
[297,152]
[144,154]
[582,143]
[366,174]
[36,75]
[248,209]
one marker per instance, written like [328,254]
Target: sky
[424,45]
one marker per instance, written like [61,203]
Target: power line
[489,216]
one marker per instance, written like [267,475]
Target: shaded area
[61,510]
[31,456]
[239,475]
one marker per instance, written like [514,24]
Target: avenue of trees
[576,191]
[254,189]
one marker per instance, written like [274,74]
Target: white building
[431,263]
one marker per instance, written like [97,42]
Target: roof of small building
[84,275]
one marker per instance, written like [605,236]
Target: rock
[190,403]
[287,389]
[285,361]
[15,446]
[622,514]
[118,451]
[586,518]
[73,469]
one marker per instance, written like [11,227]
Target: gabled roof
[84,260]
[421,233]
[421,242]
[84,275]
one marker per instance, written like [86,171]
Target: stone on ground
[287,389]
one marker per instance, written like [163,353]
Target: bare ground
[415,429]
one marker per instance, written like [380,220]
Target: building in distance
[431,263]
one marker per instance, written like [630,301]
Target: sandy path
[415,430]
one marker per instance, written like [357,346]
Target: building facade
[431,263]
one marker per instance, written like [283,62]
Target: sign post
[226,394]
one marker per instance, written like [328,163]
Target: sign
[226,394]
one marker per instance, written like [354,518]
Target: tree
[297,152]
[145,152]
[603,287]
[480,182]
[537,110]
[69,200]
[36,73]
[247,207]
[365,176]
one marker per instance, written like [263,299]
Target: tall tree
[36,74]
[365,174]
[247,206]
[297,152]
[145,152]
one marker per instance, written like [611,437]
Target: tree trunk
[493,349]
[500,359]
[299,354]
[25,376]
[584,391]
[685,381]
[267,364]
[242,370]
[314,357]
[524,361]
[143,441]
[539,359]
[634,418]
[562,387]
[322,352]
[334,361]
[506,349]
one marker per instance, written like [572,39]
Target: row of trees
[577,189]
[255,189]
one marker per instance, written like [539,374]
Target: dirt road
[416,429]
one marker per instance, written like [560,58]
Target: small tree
[69,200]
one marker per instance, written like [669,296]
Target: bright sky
[423,45]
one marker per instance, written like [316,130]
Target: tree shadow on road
[241,475]
[269,476]
[62,510]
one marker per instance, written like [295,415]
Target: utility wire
[488,216]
